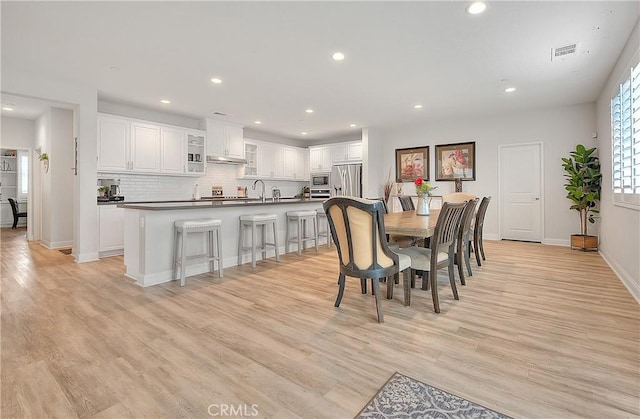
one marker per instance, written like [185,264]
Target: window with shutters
[625,140]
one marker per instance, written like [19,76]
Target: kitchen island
[148,232]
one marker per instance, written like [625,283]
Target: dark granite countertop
[209,203]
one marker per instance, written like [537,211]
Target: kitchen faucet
[262,197]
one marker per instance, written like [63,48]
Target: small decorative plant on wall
[582,172]
[44,158]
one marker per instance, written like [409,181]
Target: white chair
[300,218]
[252,222]
[182,228]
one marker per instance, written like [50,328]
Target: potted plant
[582,173]
[44,158]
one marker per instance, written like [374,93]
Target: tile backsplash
[138,187]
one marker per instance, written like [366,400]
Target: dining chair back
[357,228]
[458,197]
[463,239]
[406,202]
[440,254]
[478,246]
[16,212]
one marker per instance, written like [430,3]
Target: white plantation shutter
[625,141]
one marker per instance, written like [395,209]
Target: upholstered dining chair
[478,247]
[458,197]
[357,228]
[16,212]
[463,240]
[406,202]
[440,254]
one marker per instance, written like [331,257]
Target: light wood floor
[538,331]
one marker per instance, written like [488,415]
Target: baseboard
[623,276]
[56,245]
[86,257]
[490,236]
[557,242]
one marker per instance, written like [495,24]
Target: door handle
[536,199]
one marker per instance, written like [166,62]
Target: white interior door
[521,192]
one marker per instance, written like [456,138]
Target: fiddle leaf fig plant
[582,173]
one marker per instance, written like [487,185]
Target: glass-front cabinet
[196,158]
[251,155]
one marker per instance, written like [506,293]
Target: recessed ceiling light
[114,68]
[476,8]
[257,122]
[7,108]
[216,80]
[165,101]
[510,89]
[352,125]
[337,56]
[303,133]
[309,110]
[417,106]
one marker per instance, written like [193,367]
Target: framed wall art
[412,163]
[456,161]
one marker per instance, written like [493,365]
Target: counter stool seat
[213,228]
[252,222]
[325,232]
[301,218]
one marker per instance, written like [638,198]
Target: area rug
[404,397]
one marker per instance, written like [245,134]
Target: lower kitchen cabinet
[111,230]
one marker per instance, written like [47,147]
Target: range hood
[225,160]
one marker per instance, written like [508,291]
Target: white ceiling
[274,57]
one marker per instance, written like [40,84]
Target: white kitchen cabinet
[225,140]
[145,147]
[135,146]
[113,144]
[294,163]
[320,159]
[111,230]
[250,170]
[172,150]
[196,153]
[346,152]
[267,160]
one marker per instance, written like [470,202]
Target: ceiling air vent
[563,52]
[220,113]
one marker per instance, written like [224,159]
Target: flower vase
[422,208]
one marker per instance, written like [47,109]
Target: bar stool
[301,218]
[325,232]
[180,231]
[253,221]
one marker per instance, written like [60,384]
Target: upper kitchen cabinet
[135,146]
[145,148]
[225,140]
[323,157]
[320,159]
[113,144]
[172,144]
[346,152]
[266,160]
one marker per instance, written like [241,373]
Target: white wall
[620,232]
[17,133]
[559,129]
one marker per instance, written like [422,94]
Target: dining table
[408,223]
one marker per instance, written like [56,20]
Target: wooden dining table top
[407,223]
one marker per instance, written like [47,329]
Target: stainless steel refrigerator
[346,180]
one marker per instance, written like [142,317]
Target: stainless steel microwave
[320,180]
